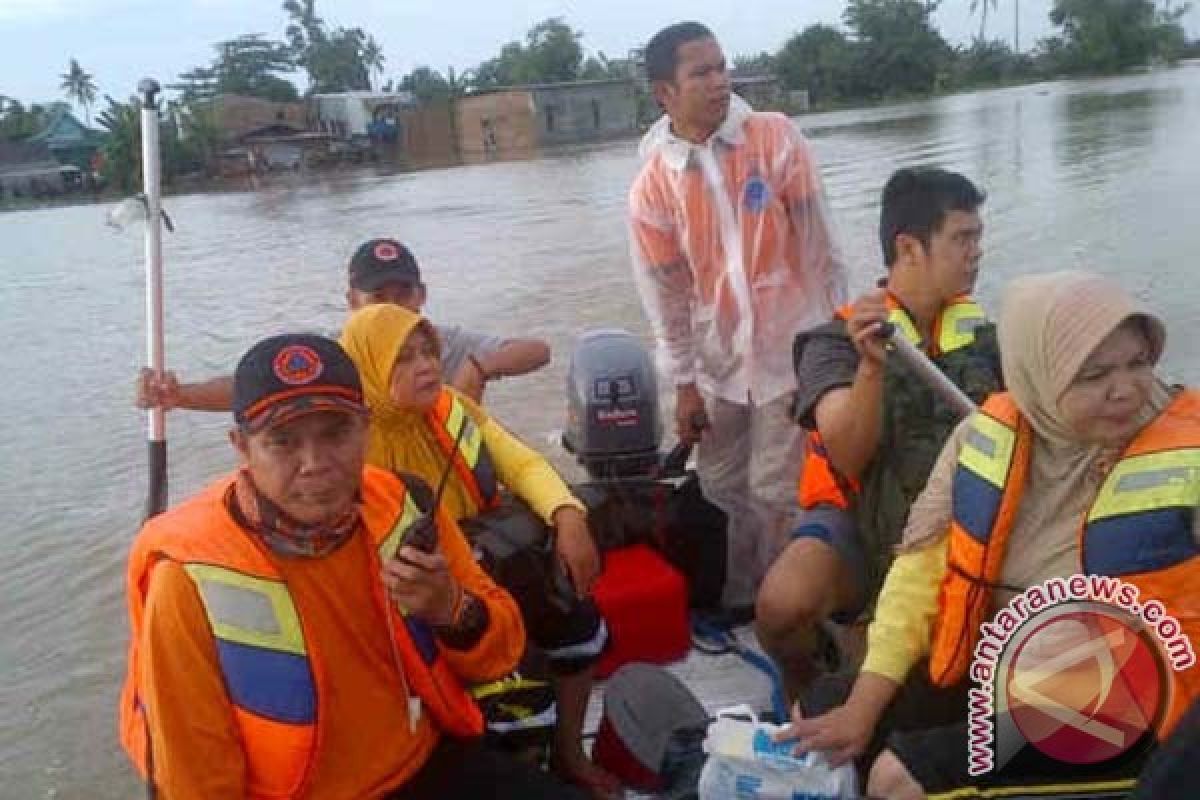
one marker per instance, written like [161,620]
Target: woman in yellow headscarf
[1088,466]
[418,426]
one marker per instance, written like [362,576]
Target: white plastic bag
[745,764]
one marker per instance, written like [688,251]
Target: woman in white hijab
[1088,465]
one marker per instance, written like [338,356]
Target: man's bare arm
[515,357]
[214,394]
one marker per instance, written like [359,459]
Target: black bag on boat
[513,546]
[519,709]
[672,516]
[694,541]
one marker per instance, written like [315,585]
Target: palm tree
[80,88]
[982,7]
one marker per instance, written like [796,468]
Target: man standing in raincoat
[733,256]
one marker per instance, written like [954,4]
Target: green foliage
[79,87]
[760,64]
[192,143]
[551,53]
[122,149]
[336,60]
[599,67]
[818,59]
[427,85]
[247,65]
[985,63]
[1111,35]
[897,50]
[18,122]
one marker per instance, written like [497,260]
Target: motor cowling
[613,425]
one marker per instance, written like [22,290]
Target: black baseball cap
[379,262]
[287,376]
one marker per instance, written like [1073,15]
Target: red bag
[644,602]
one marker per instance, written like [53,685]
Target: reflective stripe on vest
[954,328]
[1139,527]
[259,643]
[819,482]
[984,463]
[1142,518]
[421,633]
[391,543]
[473,462]
[256,626]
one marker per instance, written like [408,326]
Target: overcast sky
[120,41]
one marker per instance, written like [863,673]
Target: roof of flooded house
[24,155]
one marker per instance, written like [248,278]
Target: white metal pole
[156,433]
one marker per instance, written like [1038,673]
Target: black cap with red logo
[378,262]
[287,376]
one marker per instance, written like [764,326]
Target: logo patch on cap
[297,365]
[386,251]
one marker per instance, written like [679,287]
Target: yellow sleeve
[526,473]
[902,629]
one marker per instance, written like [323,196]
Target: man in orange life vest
[876,429]
[286,639]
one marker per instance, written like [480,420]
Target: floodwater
[1100,174]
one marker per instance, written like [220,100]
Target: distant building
[360,115]
[426,137]
[236,116]
[274,147]
[28,169]
[519,119]
[762,92]
[68,140]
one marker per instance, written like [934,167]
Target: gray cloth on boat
[660,723]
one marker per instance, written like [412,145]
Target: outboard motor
[613,423]
[638,494]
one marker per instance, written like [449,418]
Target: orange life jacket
[273,670]
[820,483]
[472,462]
[1139,528]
